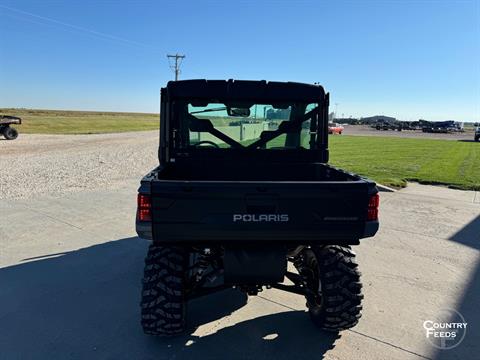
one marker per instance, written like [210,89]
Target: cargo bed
[244,171]
[308,203]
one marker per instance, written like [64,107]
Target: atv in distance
[9,132]
[247,200]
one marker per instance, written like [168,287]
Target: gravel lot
[55,165]
[363,130]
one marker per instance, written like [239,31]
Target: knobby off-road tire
[10,133]
[163,295]
[341,290]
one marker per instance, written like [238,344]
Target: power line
[176,66]
[102,35]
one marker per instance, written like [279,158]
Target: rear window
[244,124]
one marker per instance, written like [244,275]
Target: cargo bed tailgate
[223,211]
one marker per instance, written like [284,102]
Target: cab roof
[260,91]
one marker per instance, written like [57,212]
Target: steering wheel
[208,142]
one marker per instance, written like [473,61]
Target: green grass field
[81,122]
[393,161]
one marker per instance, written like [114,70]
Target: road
[70,270]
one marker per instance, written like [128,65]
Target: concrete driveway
[70,284]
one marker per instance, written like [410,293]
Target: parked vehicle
[335,128]
[9,132]
[440,127]
[410,125]
[228,213]
[459,126]
[387,125]
[477,133]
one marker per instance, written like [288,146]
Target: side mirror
[238,112]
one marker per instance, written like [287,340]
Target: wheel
[10,133]
[337,301]
[163,302]
[477,138]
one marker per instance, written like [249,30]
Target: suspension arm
[290,288]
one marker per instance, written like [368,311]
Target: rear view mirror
[239,112]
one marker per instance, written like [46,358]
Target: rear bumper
[197,233]
[371,228]
[144,230]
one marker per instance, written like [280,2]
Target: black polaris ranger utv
[242,190]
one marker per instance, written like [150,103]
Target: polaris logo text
[260,217]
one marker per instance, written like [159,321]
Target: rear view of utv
[244,198]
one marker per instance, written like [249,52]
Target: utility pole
[176,67]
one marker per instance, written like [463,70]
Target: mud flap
[254,265]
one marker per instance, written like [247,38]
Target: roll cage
[176,121]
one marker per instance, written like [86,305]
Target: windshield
[242,125]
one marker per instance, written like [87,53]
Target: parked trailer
[442,127]
[9,132]
[410,125]
[387,125]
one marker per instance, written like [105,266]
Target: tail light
[372,211]
[144,207]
